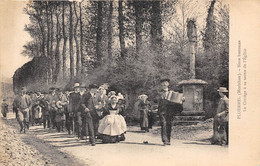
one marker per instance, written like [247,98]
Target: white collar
[92,94]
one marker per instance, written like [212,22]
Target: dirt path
[60,148]
[27,149]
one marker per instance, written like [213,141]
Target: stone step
[189,118]
[185,123]
[192,113]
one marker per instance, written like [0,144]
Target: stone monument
[192,88]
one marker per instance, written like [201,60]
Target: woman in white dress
[112,126]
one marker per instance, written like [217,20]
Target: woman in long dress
[113,126]
[144,106]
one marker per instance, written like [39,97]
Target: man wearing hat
[74,104]
[61,105]
[220,124]
[88,107]
[24,105]
[166,110]
[51,99]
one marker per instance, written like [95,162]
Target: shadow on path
[136,143]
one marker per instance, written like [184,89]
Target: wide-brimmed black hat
[51,88]
[165,79]
[59,90]
[93,86]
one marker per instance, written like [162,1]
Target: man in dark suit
[166,110]
[73,113]
[51,99]
[89,103]
[24,105]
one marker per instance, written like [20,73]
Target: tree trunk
[209,39]
[99,34]
[48,29]
[78,62]
[65,38]
[81,38]
[156,26]
[43,38]
[39,21]
[110,30]
[53,61]
[72,66]
[138,25]
[58,56]
[41,26]
[52,36]
[121,29]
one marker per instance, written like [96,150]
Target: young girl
[113,125]
[37,112]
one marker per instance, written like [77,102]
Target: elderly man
[51,99]
[166,110]
[24,103]
[74,104]
[88,107]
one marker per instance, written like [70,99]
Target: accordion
[174,97]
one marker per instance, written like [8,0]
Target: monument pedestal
[193,111]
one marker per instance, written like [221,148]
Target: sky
[12,36]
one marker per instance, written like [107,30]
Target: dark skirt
[144,119]
[112,139]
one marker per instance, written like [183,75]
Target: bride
[112,126]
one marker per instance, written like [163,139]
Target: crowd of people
[94,113]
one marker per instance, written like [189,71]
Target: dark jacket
[165,106]
[74,102]
[87,106]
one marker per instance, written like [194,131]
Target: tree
[156,26]
[138,6]
[78,55]
[210,32]
[65,38]
[72,66]
[110,30]
[121,29]
[58,57]
[99,33]
[81,38]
